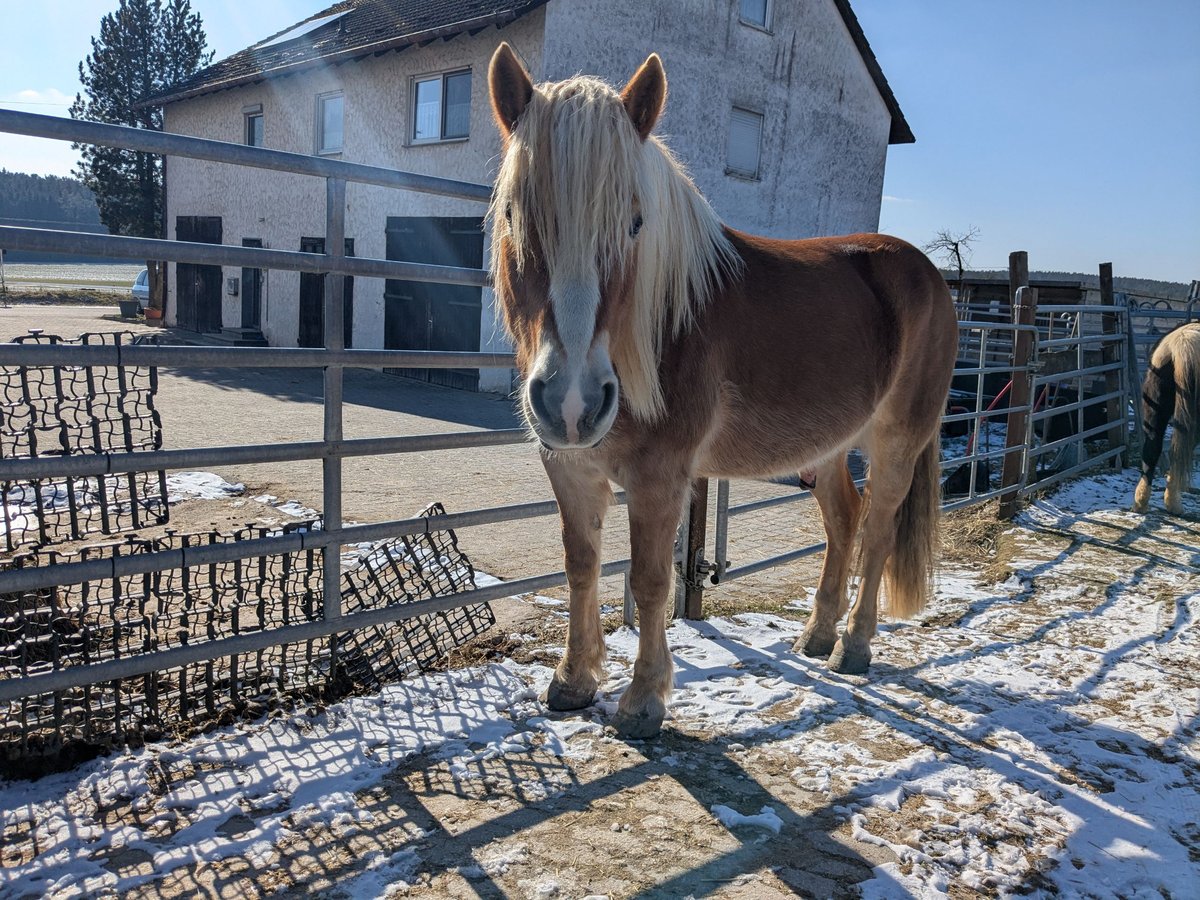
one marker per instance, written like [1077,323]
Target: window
[755,12]
[329,123]
[254,126]
[442,107]
[745,143]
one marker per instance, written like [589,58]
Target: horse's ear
[645,95]
[511,88]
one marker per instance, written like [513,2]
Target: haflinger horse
[1171,395]
[658,346]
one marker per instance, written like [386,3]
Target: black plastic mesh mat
[117,617]
[72,410]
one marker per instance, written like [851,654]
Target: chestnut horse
[1171,394]
[658,346]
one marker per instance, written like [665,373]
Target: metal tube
[140,664]
[1067,473]
[168,144]
[249,454]
[1078,404]
[331,465]
[17,580]
[772,562]
[14,237]
[721,561]
[182,356]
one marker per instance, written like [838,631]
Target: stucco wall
[280,209]
[825,126]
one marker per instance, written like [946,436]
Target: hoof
[562,697]
[1174,504]
[849,662]
[815,645]
[637,726]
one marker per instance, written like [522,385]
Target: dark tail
[1158,406]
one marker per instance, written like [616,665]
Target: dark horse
[1171,394]
[658,346]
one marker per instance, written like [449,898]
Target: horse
[657,346]
[1170,394]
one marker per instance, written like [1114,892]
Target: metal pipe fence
[331,622]
[987,347]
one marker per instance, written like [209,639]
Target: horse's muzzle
[571,417]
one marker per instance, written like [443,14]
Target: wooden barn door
[198,288]
[422,316]
[312,299]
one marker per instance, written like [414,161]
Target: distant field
[102,276]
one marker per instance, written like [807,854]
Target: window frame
[762,123]
[768,14]
[249,113]
[414,82]
[319,130]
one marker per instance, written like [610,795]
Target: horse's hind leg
[893,461]
[655,506]
[840,506]
[583,497]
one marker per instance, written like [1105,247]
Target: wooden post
[1118,434]
[697,534]
[1018,277]
[1012,475]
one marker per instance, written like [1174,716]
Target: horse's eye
[635,227]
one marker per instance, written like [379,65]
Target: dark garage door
[420,316]
[198,288]
[312,299]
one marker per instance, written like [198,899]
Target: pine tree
[142,48]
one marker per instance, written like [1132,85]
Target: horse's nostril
[609,399]
[537,400]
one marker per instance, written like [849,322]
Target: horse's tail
[909,571]
[1185,355]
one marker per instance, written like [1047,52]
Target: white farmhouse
[778,108]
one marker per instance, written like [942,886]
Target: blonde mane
[574,176]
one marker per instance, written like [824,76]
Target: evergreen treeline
[58,202]
[47,201]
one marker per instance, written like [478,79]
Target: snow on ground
[1035,733]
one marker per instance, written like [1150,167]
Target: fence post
[1118,434]
[1018,277]
[694,569]
[1133,376]
[331,464]
[1013,473]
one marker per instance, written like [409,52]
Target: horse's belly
[755,443]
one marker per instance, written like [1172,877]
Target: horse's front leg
[654,513]
[583,497]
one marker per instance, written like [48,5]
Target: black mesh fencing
[72,410]
[116,617]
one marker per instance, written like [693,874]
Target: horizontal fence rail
[13,237]
[165,143]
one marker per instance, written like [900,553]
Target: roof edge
[496,19]
[900,132]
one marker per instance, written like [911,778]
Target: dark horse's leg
[583,497]
[1158,405]
[840,506]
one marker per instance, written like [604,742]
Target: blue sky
[1067,128]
